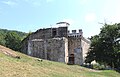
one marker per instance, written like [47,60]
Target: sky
[31,15]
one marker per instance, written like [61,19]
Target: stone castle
[57,44]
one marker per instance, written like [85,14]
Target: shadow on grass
[101,67]
[117,70]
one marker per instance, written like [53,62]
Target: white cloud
[35,3]
[90,17]
[10,3]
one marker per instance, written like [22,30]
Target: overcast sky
[30,15]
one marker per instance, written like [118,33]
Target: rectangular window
[54,32]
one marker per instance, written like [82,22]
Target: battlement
[75,34]
[57,44]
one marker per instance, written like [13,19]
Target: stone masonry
[57,44]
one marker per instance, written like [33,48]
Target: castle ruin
[57,44]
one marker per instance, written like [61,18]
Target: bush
[98,67]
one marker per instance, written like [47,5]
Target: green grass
[30,67]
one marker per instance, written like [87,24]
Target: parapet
[75,34]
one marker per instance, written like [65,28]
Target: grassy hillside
[31,67]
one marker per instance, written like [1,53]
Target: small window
[54,33]
[77,50]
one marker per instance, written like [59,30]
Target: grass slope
[31,67]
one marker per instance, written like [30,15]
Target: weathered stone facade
[57,44]
[50,49]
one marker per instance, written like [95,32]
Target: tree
[2,41]
[13,41]
[105,47]
[4,32]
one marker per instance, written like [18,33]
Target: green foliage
[2,36]
[13,41]
[2,41]
[11,38]
[98,67]
[105,47]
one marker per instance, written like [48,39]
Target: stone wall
[57,44]
[49,33]
[85,47]
[74,48]
[46,33]
[51,49]
[41,34]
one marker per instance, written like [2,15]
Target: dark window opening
[54,32]
[71,59]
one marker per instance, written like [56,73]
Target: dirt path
[8,52]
